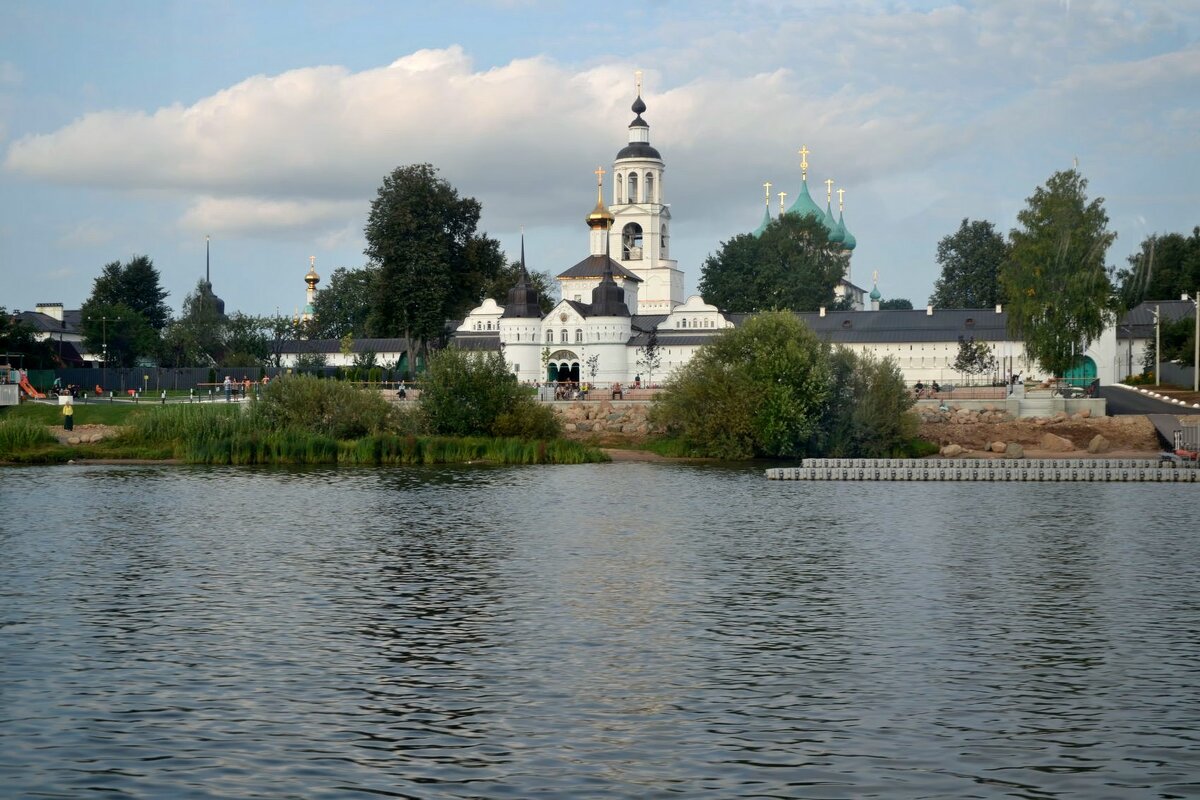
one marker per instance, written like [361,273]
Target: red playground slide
[28,387]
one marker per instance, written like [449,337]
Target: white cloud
[885,99]
[88,233]
[261,216]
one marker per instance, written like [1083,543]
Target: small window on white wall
[579,336]
[549,337]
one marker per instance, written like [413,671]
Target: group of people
[233,387]
[927,391]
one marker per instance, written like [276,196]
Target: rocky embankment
[990,431]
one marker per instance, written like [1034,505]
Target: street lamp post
[1157,348]
[1196,344]
[104,320]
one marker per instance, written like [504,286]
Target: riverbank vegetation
[305,420]
[773,389]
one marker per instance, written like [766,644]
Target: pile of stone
[605,417]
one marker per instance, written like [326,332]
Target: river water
[617,630]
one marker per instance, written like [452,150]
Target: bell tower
[640,237]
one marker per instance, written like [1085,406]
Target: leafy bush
[772,388]
[328,408]
[470,394]
[757,390]
[868,414]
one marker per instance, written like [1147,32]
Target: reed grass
[23,434]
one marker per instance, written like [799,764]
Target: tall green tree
[117,334]
[343,306]
[432,264]
[896,304]
[197,337]
[1164,268]
[1054,278]
[970,259]
[791,266]
[134,284]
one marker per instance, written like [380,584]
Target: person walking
[228,388]
[68,411]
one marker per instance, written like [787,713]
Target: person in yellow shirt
[68,411]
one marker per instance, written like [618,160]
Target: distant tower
[640,236]
[209,299]
[312,279]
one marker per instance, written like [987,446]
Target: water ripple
[626,630]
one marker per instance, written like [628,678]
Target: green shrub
[772,388]
[868,414]
[328,408]
[757,390]
[528,419]
[474,394]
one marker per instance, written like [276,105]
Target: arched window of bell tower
[631,242]
[650,188]
[664,241]
[620,198]
[633,187]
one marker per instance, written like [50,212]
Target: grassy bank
[234,434]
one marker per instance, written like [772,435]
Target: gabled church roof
[593,267]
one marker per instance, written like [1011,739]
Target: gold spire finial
[312,262]
[804,151]
[841,199]
[829,190]
[638,78]
[782,195]
[875,277]
[767,186]
[599,184]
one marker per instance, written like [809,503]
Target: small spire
[207,277]
[599,184]
[829,190]
[767,186]
[782,197]
[637,76]
[804,151]
[841,199]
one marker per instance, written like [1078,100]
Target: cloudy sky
[141,126]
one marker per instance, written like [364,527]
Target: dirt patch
[1128,437]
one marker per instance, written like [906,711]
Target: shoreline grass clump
[23,434]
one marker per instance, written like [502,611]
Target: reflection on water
[623,630]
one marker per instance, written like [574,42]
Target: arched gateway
[563,366]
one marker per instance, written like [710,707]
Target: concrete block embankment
[948,469]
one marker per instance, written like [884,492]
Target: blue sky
[140,127]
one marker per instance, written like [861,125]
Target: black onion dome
[638,150]
[608,299]
[522,300]
[638,106]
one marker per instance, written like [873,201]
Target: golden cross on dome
[804,151]
[312,262]
[599,184]
[829,190]
[767,186]
[841,199]
[638,75]
[875,276]
[782,195]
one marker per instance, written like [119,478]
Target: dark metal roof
[44,323]
[638,150]
[1138,322]
[487,342]
[681,339]
[903,325]
[593,267]
[335,346]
